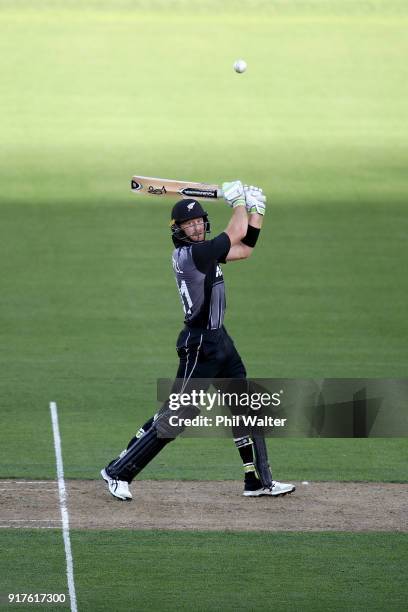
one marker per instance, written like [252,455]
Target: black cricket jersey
[200,281]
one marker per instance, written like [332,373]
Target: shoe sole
[106,479]
[262,493]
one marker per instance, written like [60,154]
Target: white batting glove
[234,193]
[255,200]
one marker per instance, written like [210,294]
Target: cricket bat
[168,187]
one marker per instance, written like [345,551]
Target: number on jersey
[185,297]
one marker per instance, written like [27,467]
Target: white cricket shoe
[278,488]
[118,488]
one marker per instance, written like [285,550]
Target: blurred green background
[93,92]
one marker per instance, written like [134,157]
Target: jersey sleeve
[207,253]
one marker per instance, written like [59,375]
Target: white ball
[240,66]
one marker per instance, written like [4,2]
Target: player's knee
[173,422]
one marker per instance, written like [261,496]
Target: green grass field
[93,92]
[131,570]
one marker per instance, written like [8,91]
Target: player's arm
[255,206]
[243,250]
[218,249]
[237,227]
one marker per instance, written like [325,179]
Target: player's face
[194,229]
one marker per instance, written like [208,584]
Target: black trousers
[204,354]
[208,354]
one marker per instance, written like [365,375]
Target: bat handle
[220,194]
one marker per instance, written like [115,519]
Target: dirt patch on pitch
[214,506]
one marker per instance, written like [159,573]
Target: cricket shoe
[277,489]
[118,488]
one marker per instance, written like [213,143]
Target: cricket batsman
[204,348]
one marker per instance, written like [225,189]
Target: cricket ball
[240,66]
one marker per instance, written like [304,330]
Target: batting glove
[234,193]
[255,200]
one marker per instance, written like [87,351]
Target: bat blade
[169,187]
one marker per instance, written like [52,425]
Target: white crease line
[63,505]
[32,490]
[31,520]
[29,527]
[49,482]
